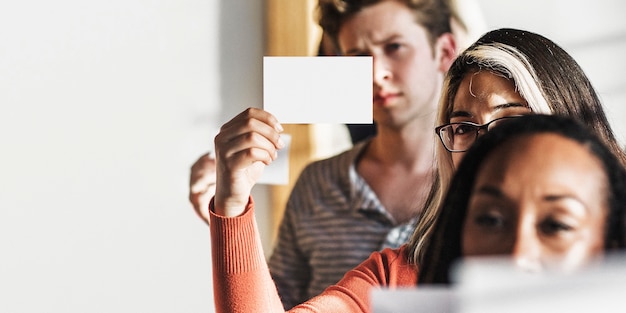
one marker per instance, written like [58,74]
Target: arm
[244,284]
[241,279]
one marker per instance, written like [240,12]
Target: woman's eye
[554,227]
[463,129]
[489,220]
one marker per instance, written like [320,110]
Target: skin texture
[482,97]
[540,199]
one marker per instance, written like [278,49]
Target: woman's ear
[445,51]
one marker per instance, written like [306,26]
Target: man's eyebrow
[386,39]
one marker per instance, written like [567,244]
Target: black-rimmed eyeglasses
[459,137]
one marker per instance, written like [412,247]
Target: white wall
[104,105]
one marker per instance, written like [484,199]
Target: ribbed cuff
[235,241]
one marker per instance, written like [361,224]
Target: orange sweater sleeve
[242,282]
[241,278]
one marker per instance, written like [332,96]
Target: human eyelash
[391,47]
[489,220]
[553,226]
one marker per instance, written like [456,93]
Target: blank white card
[308,90]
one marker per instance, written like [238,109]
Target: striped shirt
[333,221]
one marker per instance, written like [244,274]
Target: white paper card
[495,285]
[307,90]
[277,173]
[437,299]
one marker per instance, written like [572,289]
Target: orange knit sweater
[242,282]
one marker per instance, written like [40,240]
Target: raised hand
[244,146]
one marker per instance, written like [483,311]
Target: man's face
[408,70]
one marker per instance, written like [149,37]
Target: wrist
[229,207]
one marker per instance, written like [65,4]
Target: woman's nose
[526,252]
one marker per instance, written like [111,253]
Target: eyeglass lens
[458,137]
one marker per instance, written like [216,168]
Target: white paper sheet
[307,90]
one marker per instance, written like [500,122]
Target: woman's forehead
[484,91]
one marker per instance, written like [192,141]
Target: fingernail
[278,127]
